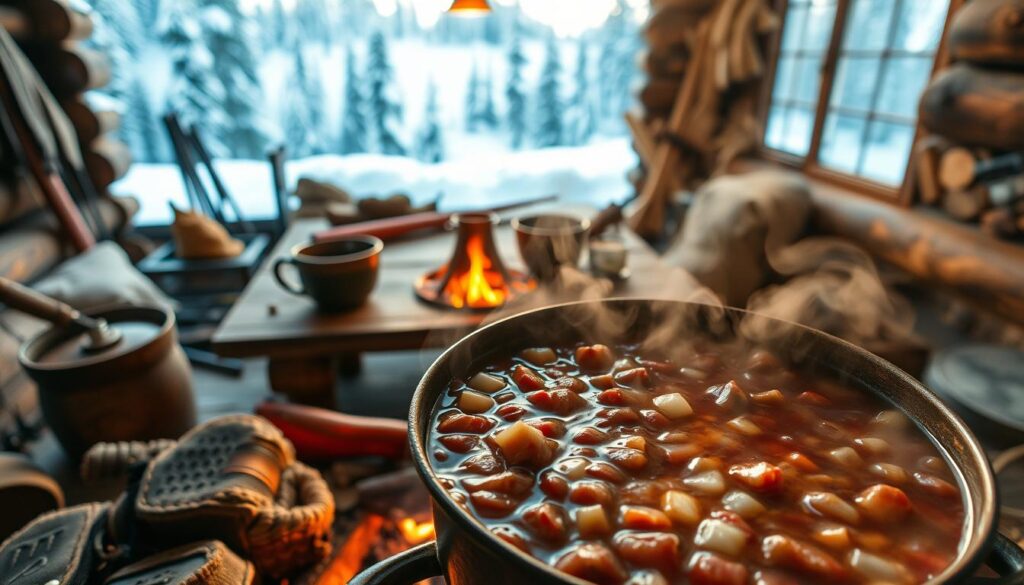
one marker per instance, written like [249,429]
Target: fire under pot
[475,278]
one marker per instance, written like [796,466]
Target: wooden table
[306,349]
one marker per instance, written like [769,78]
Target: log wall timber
[90,124]
[961,259]
[51,20]
[15,22]
[976,107]
[107,160]
[69,69]
[989,32]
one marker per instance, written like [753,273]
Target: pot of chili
[649,442]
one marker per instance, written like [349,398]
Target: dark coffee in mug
[339,275]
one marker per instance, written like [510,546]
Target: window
[868,61]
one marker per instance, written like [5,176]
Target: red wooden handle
[319,434]
[385,229]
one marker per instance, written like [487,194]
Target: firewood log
[89,124]
[927,154]
[671,28]
[69,69]
[976,107]
[966,204]
[960,168]
[52,20]
[15,23]
[989,32]
[107,160]
[658,95]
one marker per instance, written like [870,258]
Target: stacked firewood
[704,62]
[50,32]
[972,165]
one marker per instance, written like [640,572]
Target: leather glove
[233,479]
[62,547]
[208,562]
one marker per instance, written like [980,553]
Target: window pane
[905,79]
[808,82]
[820,19]
[776,131]
[867,28]
[887,150]
[796,17]
[799,126]
[784,78]
[855,82]
[920,24]
[841,142]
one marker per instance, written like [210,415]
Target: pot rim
[977,533]
[43,341]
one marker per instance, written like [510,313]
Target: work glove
[209,563]
[233,479]
[65,546]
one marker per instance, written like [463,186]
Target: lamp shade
[469,7]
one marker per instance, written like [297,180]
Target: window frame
[810,165]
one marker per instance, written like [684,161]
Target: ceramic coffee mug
[549,241]
[339,275]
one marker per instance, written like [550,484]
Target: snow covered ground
[595,173]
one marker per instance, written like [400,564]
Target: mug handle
[280,263]
[412,566]
[1005,558]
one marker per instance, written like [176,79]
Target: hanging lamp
[470,8]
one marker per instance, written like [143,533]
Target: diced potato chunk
[698,464]
[761,477]
[474,402]
[846,457]
[595,358]
[743,504]
[709,483]
[539,355]
[673,405]
[486,383]
[872,445]
[522,444]
[573,468]
[832,506]
[592,522]
[878,569]
[720,536]
[834,536]
[681,507]
[744,426]
[636,442]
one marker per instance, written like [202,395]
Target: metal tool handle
[26,300]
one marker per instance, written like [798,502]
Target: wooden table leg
[308,381]
[350,365]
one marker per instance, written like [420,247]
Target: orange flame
[416,532]
[479,287]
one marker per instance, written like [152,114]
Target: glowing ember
[416,532]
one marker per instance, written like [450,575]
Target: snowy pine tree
[147,141]
[516,98]
[194,90]
[353,120]
[549,100]
[487,114]
[472,107]
[384,110]
[583,123]
[227,34]
[279,23]
[430,144]
[304,117]
[149,13]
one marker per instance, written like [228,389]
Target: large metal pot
[466,553]
[136,390]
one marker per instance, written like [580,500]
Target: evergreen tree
[118,35]
[487,114]
[147,142]
[279,23]
[430,144]
[549,100]
[384,110]
[353,121]
[472,106]
[514,94]
[194,90]
[583,122]
[149,13]
[228,36]
[304,114]
[311,17]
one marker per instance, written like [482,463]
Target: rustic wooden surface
[268,321]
